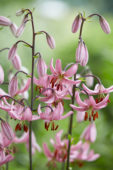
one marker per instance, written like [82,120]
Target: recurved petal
[71,71]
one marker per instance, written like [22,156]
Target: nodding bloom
[82,54]
[80,116]
[50,41]
[89,105]
[12,52]
[82,153]
[79,152]
[76,23]
[4,21]
[41,67]
[1,75]
[104,25]
[13,86]
[99,89]
[51,114]
[5,149]
[89,134]
[25,139]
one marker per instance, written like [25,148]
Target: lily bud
[1,75]
[104,25]
[7,130]
[13,28]
[22,26]
[82,54]
[4,21]
[13,86]
[76,24]
[41,67]
[12,52]
[50,41]
[16,61]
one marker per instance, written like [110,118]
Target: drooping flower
[51,114]
[25,139]
[50,41]
[89,105]
[16,61]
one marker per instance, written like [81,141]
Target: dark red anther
[96,115]
[53,126]
[56,127]
[58,86]
[25,128]
[90,118]
[18,127]
[36,88]
[55,153]
[47,125]
[108,101]
[92,112]
[86,116]
[97,101]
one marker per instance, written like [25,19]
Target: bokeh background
[56,18]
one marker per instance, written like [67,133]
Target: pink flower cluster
[51,91]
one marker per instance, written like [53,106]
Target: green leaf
[27,45]
[35,56]
[29,76]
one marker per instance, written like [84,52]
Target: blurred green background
[56,18]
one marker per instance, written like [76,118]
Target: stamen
[86,116]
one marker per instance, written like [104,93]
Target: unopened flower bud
[50,41]
[12,52]
[4,21]
[104,25]
[41,67]
[13,28]
[13,86]
[82,54]
[1,75]
[22,26]
[16,61]
[7,130]
[76,24]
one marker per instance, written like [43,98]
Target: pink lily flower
[13,28]
[5,158]
[89,104]
[12,52]
[60,77]
[99,89]
[84,154]
[25,139]
[52,114]
[89,134]
[80,116]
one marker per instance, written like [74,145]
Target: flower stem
[72,101]
[32,75]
